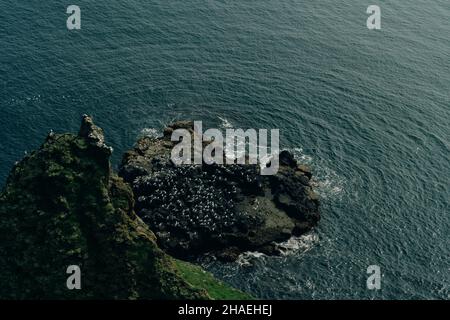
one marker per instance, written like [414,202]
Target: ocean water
[368,110]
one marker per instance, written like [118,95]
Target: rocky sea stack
[63,205]
[223,210]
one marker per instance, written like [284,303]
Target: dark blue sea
[368,110]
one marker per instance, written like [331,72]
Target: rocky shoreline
[222,210]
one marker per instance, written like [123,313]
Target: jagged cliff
[63,205]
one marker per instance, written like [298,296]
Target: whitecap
[246,259]
[293,245]
[225,123]
[327,183]
[300,244]
[150,132]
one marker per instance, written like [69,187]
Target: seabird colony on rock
[178,202]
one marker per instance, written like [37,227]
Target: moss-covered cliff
[63,205]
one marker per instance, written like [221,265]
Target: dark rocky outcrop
[223,209]
[62,205]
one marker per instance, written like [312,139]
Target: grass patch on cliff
[200,278]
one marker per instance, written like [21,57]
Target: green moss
[200,278]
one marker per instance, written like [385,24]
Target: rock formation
[220,209]
[62,205]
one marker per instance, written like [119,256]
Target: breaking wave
[296,245]
[150,132]
[292,246]
[327,183]
[225,123]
